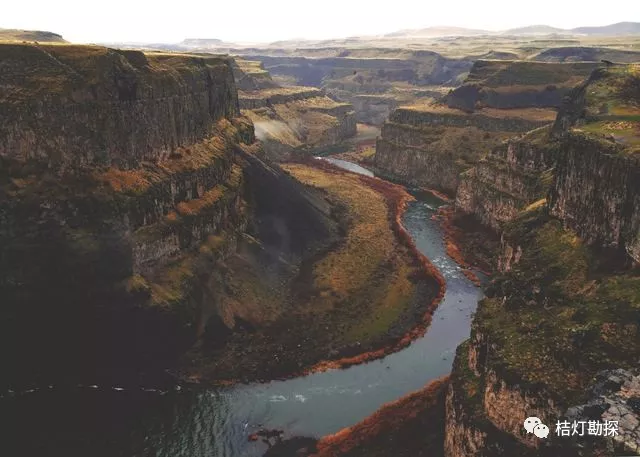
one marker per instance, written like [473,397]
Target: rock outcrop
[557,337]
[143,108]
[517,84]
[597,194]
[431,146]
[293,120]
[498,100]
[511,177]
[130,185]
[596,189]
[374,81]
[521,171]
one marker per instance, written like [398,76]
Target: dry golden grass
[273,91]
[533,114]
[193,207]
[369,241]
[190,158]
[370,270]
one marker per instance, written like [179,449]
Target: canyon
[289,120]
[557,335]
[162,220]
[135,195]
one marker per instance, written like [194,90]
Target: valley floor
[368,295]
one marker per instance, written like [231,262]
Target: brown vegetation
[412,426]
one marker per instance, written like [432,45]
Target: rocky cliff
[292,120]
[375,80]
[557,337]
[133,106]
[595,192]
[431,146]
[590,151]
[130,186]
[498,101]
[544,345]
[517,84]
[512,176]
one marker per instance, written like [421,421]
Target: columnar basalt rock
[432,146]
[123,192]
[525,356]
[597,193]
[510,178]
[103,106]
[296,120]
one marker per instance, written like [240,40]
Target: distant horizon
[285,20]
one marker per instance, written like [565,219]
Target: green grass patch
[555,318]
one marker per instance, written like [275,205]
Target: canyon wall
[292,120]
[375,81]
[597,194]
[517,84]
[421,67]
[557,335]
[129,183]
[497,101]
[431,147]
[143,108]
[511,177]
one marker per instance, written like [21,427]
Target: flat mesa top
[534,114]
[612,102]
[35,71]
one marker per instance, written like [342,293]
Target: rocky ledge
[293,119]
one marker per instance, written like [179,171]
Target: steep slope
[514,84]
[291,119]
[118,202]
[432,145]
[143,231]
[520,172]
[375,80]
[557,336]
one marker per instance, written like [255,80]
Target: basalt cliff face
[596,191]
[557,337]
[558,334]
[512,176]
[138,108]
[431,146]
[294,119]
[130,188]
[517,84]
[375,81]
[498,101]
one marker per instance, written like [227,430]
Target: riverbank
[470,244]
[411,426]
[369,296]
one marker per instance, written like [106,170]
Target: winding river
[97,421]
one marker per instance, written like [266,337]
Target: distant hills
[29,35]
[621,28]
[534,30]
[438,31]
[202,42]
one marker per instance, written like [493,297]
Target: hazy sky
[269,20]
